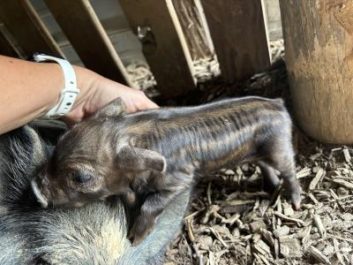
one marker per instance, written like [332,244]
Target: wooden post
[87,35]
[25,26]
[164,44]
[319,56]
[238,31]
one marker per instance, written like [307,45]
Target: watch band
[70,91]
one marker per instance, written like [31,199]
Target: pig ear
[140,159]
[114,108]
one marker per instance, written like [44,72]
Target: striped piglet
[149,157]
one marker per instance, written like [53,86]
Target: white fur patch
[164,165]
[40,197]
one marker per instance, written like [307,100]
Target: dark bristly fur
[91,235]
[155,154]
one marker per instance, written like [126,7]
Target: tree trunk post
[319,56]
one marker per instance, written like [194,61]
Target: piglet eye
[81,177]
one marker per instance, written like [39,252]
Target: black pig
[91,235]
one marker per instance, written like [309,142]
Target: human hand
[97,91]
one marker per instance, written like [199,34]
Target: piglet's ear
[114,108]
[140,159]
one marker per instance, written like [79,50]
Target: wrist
[69,90]
[86,83]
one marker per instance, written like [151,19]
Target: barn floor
[232,221]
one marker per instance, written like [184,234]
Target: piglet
[156,154]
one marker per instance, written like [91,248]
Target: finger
[148,104]
[152,105]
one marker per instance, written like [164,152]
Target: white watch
[70,91]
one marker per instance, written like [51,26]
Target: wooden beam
[87,35]
[164,44]
[7,47]
[24,24]
[239,35]
[191,22]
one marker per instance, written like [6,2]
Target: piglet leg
[292,186]
[270,178]
[281,157]
[152,207]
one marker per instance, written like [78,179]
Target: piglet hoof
[294,193]
[296,200]
[141,228]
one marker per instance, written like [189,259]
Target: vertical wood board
[239,35]
[86,34]
[7,47]
[191,22]
[24,24]
[164,44]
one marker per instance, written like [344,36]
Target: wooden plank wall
[24,25]
[86,34]
[164,46]
[239,35]
[237,28]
